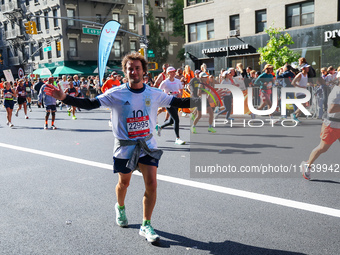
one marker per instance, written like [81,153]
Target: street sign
[91,31]
[150,51]
[48,48]
[21,73]
[151,55]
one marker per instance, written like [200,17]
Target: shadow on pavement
[325,181]
[226,247]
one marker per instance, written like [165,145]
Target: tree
[156,42]
[276,51]
[176,16]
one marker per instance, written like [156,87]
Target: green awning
[44,72]
[65,70]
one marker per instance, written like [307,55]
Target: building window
[115,16]
[116,49]
[37,21]
[36,1]
[27,2]
[47,24]
[235,22]
[41,51]
[300,14]
[133,46]
[192,2]
[98,18]
[49,54]
[161,23]
[5,27]
[130,1]
[32,51]
[70,14]
[55,15]
[160,3]
[261,20]
[201,31]
[73,47]
[132,22]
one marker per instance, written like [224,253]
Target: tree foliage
[176,16]
[276,51]
[157,43]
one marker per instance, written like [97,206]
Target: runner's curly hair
[135,56]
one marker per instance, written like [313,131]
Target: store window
[201,31]
[261,20]
[300,14]
[252,61]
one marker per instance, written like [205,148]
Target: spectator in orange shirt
[113,81]
[2,83]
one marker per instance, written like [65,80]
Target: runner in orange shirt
[113,81]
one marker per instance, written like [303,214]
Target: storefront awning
[43,72]
[65,70]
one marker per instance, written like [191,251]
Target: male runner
[50,103]
[134,112]
[330,132]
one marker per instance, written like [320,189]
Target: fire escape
[14,14]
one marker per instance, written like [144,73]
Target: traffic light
[34,27]
[152,66]
[28,27]
[31,27]
[141,51]
[58,46]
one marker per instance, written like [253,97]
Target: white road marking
[200,185]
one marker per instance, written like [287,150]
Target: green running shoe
[149,233]
[211,130]
[193,130]
[121,219]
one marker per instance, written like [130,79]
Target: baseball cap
[50,79]
[170,69]
[203,75]
[225,73]
[113,73]
[305,65]
[197,71]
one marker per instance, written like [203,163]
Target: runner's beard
[136,80]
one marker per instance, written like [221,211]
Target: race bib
[8,95]
[28,89]
[138,127]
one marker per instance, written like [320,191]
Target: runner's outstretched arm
[84,103]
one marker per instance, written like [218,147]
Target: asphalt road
[57,191]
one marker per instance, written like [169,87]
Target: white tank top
[303,83]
